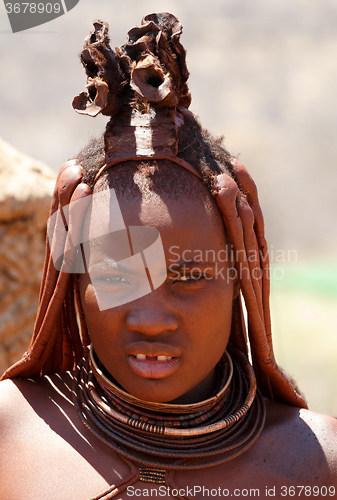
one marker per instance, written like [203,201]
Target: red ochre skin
[160,323]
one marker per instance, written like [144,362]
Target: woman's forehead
[109,210]
[157,193]
[187,225]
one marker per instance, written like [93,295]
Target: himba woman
[137,381]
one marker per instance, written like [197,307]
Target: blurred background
[264,75]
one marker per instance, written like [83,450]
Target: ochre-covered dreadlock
[143,84]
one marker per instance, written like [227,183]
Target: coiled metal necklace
[161,437]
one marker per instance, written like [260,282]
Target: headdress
[141,86]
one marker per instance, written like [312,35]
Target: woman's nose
[153,319]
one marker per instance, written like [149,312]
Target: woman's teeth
[158,358]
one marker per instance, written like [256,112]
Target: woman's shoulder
[42,442]
[282,417]
[303,437]
[12,400]
[297,448]
[13,391]
[25,404]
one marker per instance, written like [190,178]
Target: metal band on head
[178,161]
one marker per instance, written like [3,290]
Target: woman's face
[163,346]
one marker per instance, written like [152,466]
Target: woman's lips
[152,367]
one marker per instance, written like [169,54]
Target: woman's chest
[49,468]
[63,461]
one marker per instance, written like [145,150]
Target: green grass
[304,323]
[315,277]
